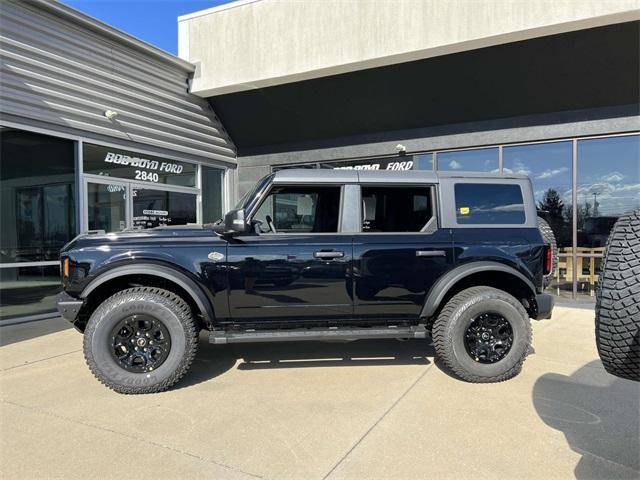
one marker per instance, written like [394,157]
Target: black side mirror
[234,224]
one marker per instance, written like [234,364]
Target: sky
[154,21]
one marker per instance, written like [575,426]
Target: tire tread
[618,300]
[442,333]
[170,300]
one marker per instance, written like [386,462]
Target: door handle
[431,253]
[328,255]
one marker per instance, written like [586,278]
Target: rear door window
[396,209]
[489,204]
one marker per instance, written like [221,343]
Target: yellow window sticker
[464,210]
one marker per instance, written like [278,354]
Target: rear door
[399,253]
[297,265]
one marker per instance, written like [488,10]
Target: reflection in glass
[608,186]
[423,161]
[481,160]
[562,282]
[37,184]
[548,165]
[587,275]
[106,206]
[212,189]
[28,290]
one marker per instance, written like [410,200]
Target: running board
[317,334]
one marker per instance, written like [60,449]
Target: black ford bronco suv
[319,255]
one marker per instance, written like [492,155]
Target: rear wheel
[141,340]
[618,300]
[482,335]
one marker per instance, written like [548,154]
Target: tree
[552,205]
[553,210]
[583,212]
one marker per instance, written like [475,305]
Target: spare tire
[550,239]
[618,300]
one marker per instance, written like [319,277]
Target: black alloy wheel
[488,338]
[482,335]
[140,343]
[141,340]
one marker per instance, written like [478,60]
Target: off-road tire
[459,312]
[171,310]
[550,239]
[618,300]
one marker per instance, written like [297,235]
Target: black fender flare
[196,293]
[448,280]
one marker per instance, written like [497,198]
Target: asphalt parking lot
[360,410]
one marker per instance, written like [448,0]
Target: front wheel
[141,340]
[482,335]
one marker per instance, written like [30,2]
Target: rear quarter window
[489,204]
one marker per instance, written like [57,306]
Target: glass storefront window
[114,162]
[26,291]
[423,161]
[37,217]
[480,160]
[608,185]
[548,165]
[212,194]
[404,162]
[155,208]
[37,195]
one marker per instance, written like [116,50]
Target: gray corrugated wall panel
[55,36]
[58,76]
[90,49]
[36,94]
[29,66]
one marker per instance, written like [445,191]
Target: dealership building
[98,132]
[101,131]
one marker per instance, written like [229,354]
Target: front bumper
[544,302]
[68,306]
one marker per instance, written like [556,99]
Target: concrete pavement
[368,409]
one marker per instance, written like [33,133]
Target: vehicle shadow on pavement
[600,417]
[214,360]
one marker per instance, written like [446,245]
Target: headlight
[65,267]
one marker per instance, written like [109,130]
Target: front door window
[300,210]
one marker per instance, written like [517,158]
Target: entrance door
[113,205]
[106,206]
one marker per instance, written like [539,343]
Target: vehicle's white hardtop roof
[308,175]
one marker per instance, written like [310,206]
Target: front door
[400,252]
[297,264]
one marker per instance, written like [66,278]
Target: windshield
[249,198]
